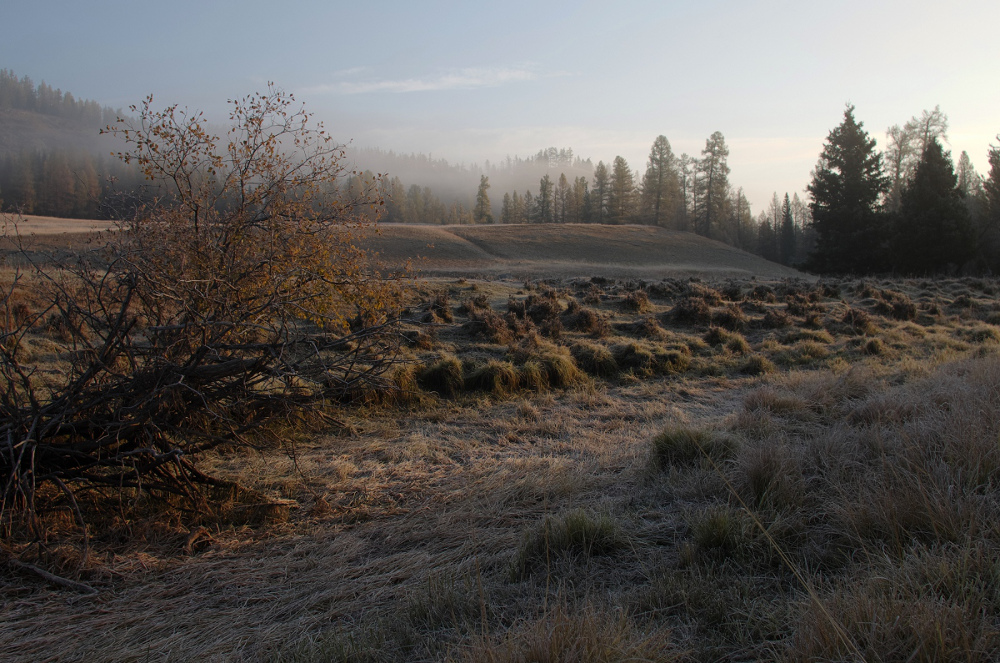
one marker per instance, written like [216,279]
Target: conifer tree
[712,185]
[786,239]
[600,193]
[621,200]
[660,184]
[846,190]
[932,232]
[483,213]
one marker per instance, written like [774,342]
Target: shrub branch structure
[234,297]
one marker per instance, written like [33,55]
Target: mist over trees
[908,208]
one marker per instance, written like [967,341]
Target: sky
[473,81]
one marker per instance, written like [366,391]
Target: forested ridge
[909,209]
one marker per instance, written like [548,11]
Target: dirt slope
[522,251]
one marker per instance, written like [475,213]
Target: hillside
[522,251]
[22,130]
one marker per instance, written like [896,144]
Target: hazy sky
[470,81]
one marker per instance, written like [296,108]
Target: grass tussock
[586,635]
[577,533]
[680,445]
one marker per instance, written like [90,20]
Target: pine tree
[846,190]
[543,203]
[621,201]
[483,212]
[660,184]
[600,193]
[712,186]
[932,230]
[786,239]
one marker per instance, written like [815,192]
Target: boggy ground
[594,470]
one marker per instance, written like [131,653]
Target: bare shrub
[236,299]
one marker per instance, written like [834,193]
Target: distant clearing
[527,251]
[50,225]
[565,250]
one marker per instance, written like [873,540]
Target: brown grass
[700,494]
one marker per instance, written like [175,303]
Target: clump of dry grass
[681,445]
[757,364]
[590,322]
[495,377]
[859,321]
[595,359]
[445,376]
[574,533]
[587,635]
[637,301]
[732,318]
[691,311]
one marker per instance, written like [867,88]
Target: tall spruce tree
[786,238]
[622,197]
[846,191]
[712,186]
[932,232]
[484,211]
[660,185]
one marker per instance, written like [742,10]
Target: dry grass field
[687,454]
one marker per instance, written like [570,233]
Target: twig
[54,579]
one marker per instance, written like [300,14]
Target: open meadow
[607,443]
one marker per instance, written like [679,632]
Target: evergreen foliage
[932,231]
[846,190]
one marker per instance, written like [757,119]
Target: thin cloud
[461,79]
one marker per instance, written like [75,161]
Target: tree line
[677,192]
[23,94]
[907,210]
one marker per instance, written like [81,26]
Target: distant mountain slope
[536,251]
[22,130]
